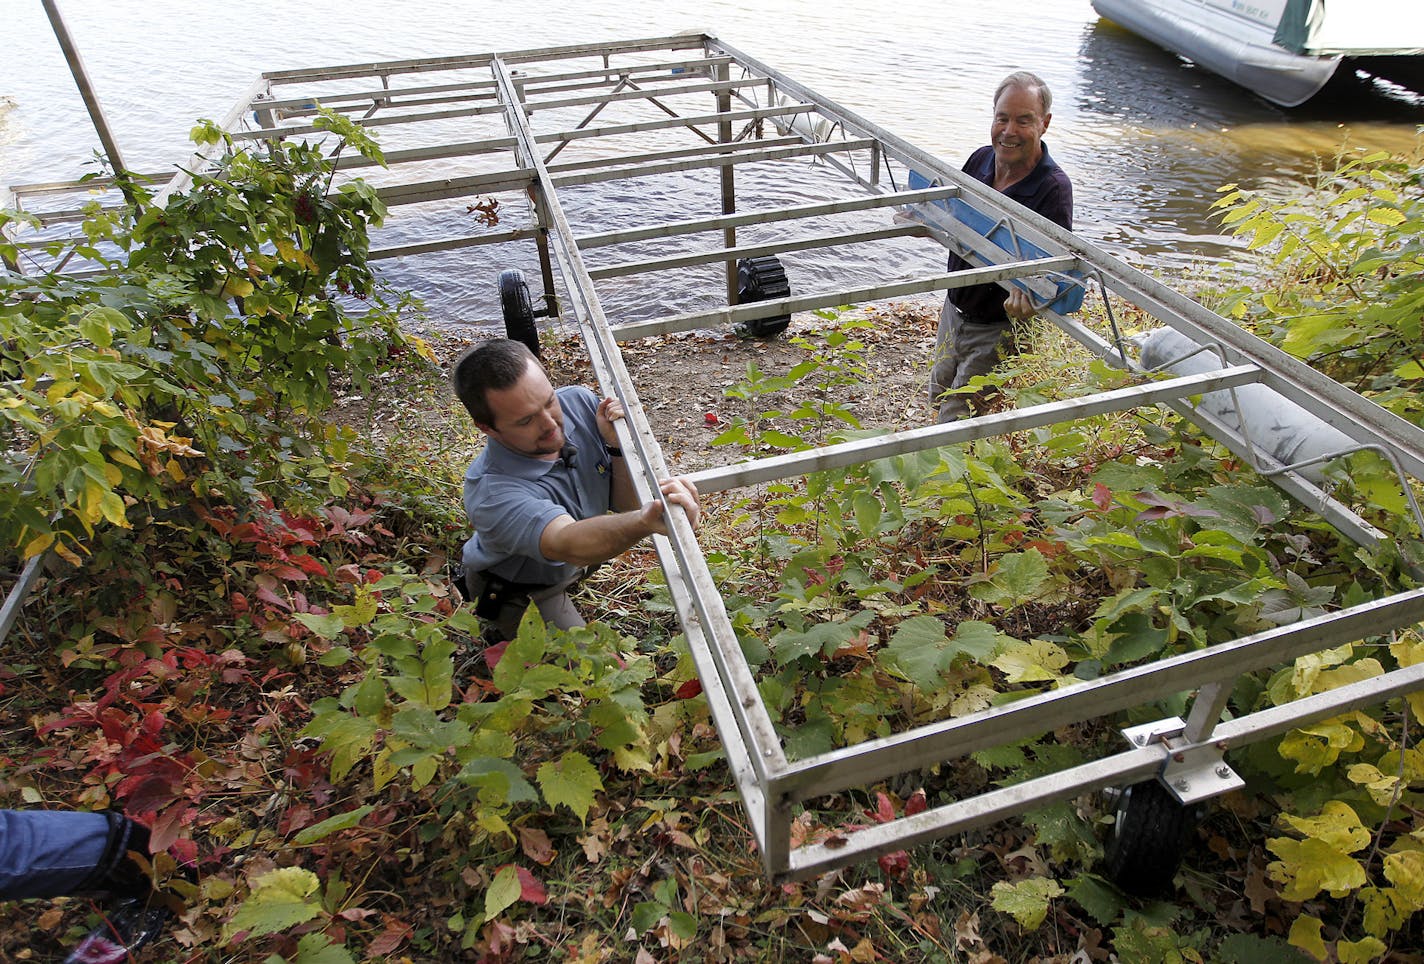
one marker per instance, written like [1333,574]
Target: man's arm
[590,541]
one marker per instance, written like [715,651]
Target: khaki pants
[963,350]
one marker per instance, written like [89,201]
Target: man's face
[1019,123]
[527,416]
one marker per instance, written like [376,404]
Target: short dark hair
[1027,81]
[489,366]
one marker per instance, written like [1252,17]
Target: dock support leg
[729,188]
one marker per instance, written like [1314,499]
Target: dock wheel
[760,279]
[518,309]
[1149,838]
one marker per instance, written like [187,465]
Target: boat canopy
[1359,28]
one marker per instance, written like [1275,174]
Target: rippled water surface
[1147,138]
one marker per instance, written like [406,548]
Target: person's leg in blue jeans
[47,853]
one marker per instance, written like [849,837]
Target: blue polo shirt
[510,498]
[1046,190]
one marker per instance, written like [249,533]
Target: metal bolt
[1223,771]
[1179,757]
[1140,739]
[1182,785]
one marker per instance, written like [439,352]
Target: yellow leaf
[1406,871]
[1382,787]
[503,891]
[493,823]
[237,287]
[382,770]
[175,471]
[1407,650]
[1362,951]
[359,613]
[1305,934]
[67,554]
[1308,668]
[1352,673]
[1309,866]
[632,759]
[294,255]
[91,508]
[39,544]
[1384,909]
[1388,216]
[112,505]
[1316,747]
[1337,825]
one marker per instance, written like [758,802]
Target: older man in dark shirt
[1016,163]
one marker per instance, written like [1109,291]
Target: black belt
[977,320]
[496,592]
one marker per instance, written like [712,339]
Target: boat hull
[1224,45]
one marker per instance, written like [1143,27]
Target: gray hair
[1027,81]
[490,366]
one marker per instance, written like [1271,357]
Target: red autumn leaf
[395,934]
[168,826]
[494,653]
[310,564]
[185,851]
[689,689]
[531,889]
[349,573]
[895,864]
[1102,496]
[884,811]
[917,803]
[711,418]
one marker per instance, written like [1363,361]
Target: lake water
[1147,138]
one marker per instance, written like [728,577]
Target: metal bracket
[1192,773]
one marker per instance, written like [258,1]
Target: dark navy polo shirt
[1046,190]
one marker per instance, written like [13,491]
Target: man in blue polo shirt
[975,320]
[539,496]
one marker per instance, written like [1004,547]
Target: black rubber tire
[518,309]
[761,279]
[1149,838]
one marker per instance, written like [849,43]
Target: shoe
[132,924]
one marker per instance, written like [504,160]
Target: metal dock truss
[732,110]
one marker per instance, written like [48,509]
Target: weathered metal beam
[395,94]
[15,598]
[450,244]
[1030,716]
[679,551]
[780,306]
[389,68]
[763,216]
[86,88]
[652,157]
[749,155]
[796,464]
[757,250]
[639,94]
[492,182]
[1118,770]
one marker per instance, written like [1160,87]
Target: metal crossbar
[734,96]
